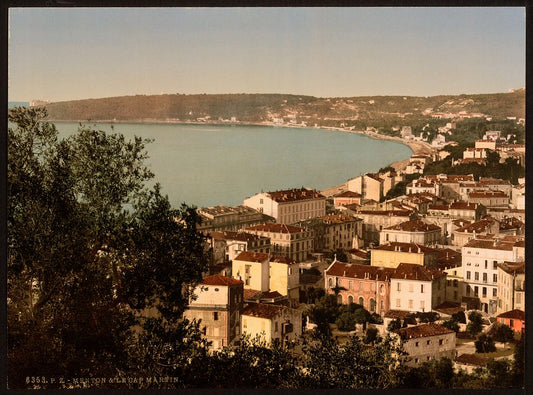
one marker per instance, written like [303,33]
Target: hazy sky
[77,53]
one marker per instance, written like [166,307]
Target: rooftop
[348,194]
[230,235]
[487,194]
[354,270]
[472,359]
[514,314]
[513,267]
[415,225]
[409,271]
[262,310]
[291,195]
[282,259]
[331,219]
[463,206]
[481,226]
[424,330]
[406,247]
[226,210]
[494,244]
[249,256]
[276,228]
[400,314]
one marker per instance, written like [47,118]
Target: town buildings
[413,231]
[217,303]
[394,253]
[289,206]
[224,218]
[291,241]
[511,286]
[426,342]
[271,322]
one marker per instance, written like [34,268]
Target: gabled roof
[409,271]
[424,330]
[250,256]
[480,226]
[414,225]
[262,310]
[514,314]
[276,228]
[251,294]
[220,280]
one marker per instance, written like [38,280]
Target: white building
[289,206]
[417,288]
[413,231]
[480,259]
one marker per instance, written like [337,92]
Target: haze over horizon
[61,54]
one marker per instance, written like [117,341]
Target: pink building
[368,286]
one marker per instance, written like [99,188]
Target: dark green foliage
[484,344]
[517,371]
[371,335]
[394,325]
[460,317]
[475,324]
[501,333]
[451,324]
[400,188]
[80,265]
[432,374]
[425,317]
[346,321]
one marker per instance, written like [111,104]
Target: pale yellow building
[253,269]
[511,286]
[391,255]
[285,277]
[270,322]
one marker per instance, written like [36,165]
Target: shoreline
[416,147]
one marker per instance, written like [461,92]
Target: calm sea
[205,165]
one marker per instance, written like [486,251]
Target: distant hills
[282,108]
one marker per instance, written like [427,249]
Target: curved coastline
[416,147]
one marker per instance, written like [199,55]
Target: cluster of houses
[450,244]
[493,141]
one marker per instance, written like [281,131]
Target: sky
[59,54]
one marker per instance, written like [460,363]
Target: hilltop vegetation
[378,111]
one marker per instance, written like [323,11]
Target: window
[494,278]
[495,293]
[484,292]
[416,344]
[330,282]
[398,303]
[476,276]
[215,315]
[399,287]
[410,303]
[440,342]
[350,299]
[260,201]
[468,275]
[467,290]
[455,283]
[422,288]
[486,263]
[361,301]
[476,291]
[422,305]
[276,326]
[350,285]
[484,277]
[518,297]
[495,265]
[428,342]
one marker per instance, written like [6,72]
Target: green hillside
[357,111]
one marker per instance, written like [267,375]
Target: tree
[371,335]
[451,324]
[502,333]
[475,324]
[394,325]
[90,247]
[484,344]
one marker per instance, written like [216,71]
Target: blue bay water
[205,165]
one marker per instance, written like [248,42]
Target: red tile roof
[493,181]
[401,314]
[448,257]
[262,310]
[487,194]
[249,294]
[218,279]
[490,244]
[348,194]
[441,207]
[472,359]
[414,225]
[480,226]
[514,314]
[250,256]
[291,195]
[276,228]
[513,267]
[353,270]
[409,271]
[424,330]
[463,206]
